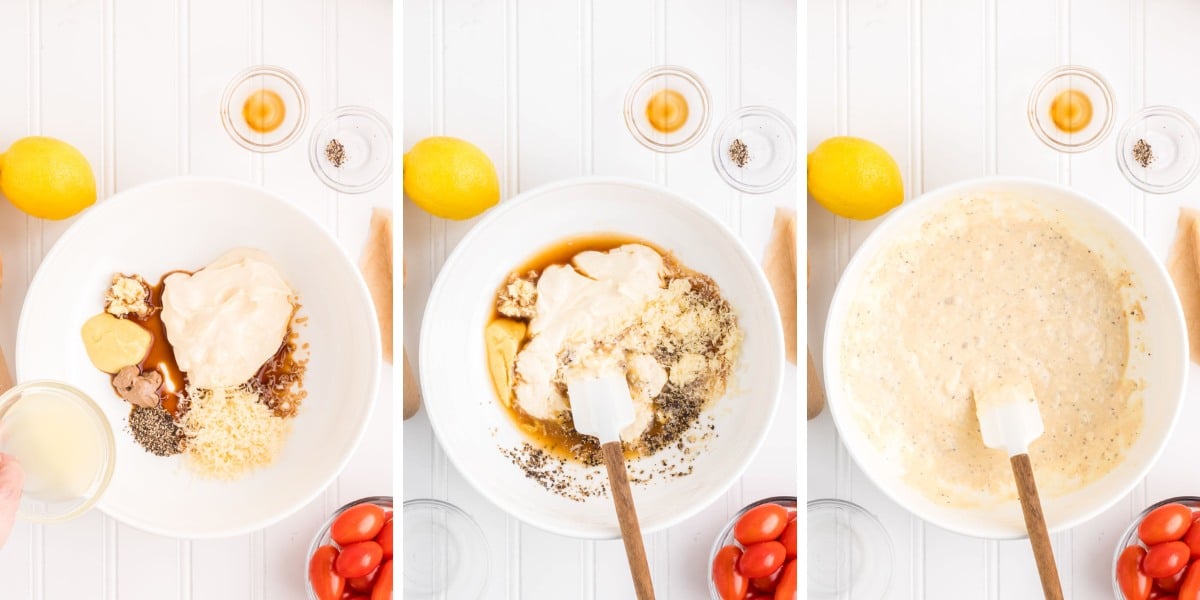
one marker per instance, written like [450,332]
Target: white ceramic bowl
[1163,333]
[185,224]
[463,409]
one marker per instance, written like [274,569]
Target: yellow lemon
[854,178]
[450,178]
[47,178]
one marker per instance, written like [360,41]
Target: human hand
[12,480]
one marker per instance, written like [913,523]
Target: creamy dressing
[991,291]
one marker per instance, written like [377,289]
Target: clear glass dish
[849,552]
[1130,537]
[72,423]
[1081,79]
[445,552]
[725,538]
[1173,137]
[361,139]
[677,79]
[323,536]
[256,79]
[769,141]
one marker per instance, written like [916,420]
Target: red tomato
[1169,597]
[1192,538]
[364,584]
[356,560]
[1170,584]
[1165,559]
[1190,589]
[325,581]
[766,585]
[383,585]
[1134,584]
[1166,523]
[730,584]
[357,524]
[761,524]
[385,539]
[786,590]
[788,538]
[761,559]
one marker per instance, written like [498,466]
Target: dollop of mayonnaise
[577,304]
[228,318]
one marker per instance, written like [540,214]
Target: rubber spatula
[601,407]
[1009,420]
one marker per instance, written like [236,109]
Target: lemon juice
[57,440]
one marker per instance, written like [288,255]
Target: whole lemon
[450,178]
[47,178]
[854,178]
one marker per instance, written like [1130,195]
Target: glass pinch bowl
[768,139]
[445,552]
[1081,79]
[675,79]
[350,149]
[324,536]
[725,538]
[849,552]
[1174,139]
[264,78]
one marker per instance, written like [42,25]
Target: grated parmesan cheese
[229,432]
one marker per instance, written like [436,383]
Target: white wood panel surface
[539,86]
[135,85]
[943,86]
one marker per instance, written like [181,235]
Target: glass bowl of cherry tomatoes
[1157,557]
[754,557]
[351,556]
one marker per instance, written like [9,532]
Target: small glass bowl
[1130,537]
[323,536]
[257,78]
[1174,139]
[770,140]
[445,552]
[725,538]
[849,552]
[66,398]
[1092,85]
[366,139]
[680,80]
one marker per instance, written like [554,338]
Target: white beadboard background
[135,85]
[942,85]
[539,86]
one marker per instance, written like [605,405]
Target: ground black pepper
[156,431]
[1143,153]
[739,153]
[335,153]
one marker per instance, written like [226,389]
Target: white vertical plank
[213,61]
[18,562]
[146,148]
[622,48]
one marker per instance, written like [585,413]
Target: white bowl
[462,407]
[1163,332]
[185,224]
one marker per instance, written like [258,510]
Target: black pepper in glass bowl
[1158,149]
[754,149]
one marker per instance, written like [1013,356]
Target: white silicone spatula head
[1008,414]
[600,406]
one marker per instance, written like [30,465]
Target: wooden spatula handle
[1035,524]
[631,532]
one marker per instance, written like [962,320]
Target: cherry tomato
[730,583]
[761,524]
[1190,588]
[358,559]
[364,584]
[1165,559]
[786,590]
[353,596]
[1134,584]
[1170,584]
[383,585]
[1167,597]
[788,538]
[385,539]
[766,585]
[1166,523]
[326,583]
[357,524]
[1192,538]
[761,559]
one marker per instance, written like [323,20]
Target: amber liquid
[161,356]
[552,436]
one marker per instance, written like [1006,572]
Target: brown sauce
[161,357]
[279,382]
[557,438]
